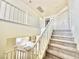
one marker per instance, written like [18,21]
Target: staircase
[62,46]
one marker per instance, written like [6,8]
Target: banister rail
[41,44]
[13,5]
[38,49]
[41,34]
[13,14]
[16,53]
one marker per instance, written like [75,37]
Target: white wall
[10,30]
[74,18]
[61,21]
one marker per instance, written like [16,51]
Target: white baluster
[2,10]
[7,13]
[11,13]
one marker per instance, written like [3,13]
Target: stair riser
[53,56]
[63,38]
[71,53]
[63,43]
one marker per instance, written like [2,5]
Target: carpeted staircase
[62,46]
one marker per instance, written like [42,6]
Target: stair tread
[62,33]
[53,52]
[63,36]
[64,47]
[67,30]
[64,41]
[52,56]
[46,57]
[59,54]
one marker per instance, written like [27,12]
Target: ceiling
[47,7]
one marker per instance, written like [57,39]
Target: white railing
[11,13]
[16,53]
[38,49]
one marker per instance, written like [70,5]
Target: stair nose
[62,33]
[51,56]
[51,46]
[63,43]
[68,38]
[61,55]
[64,30]
[62,36]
